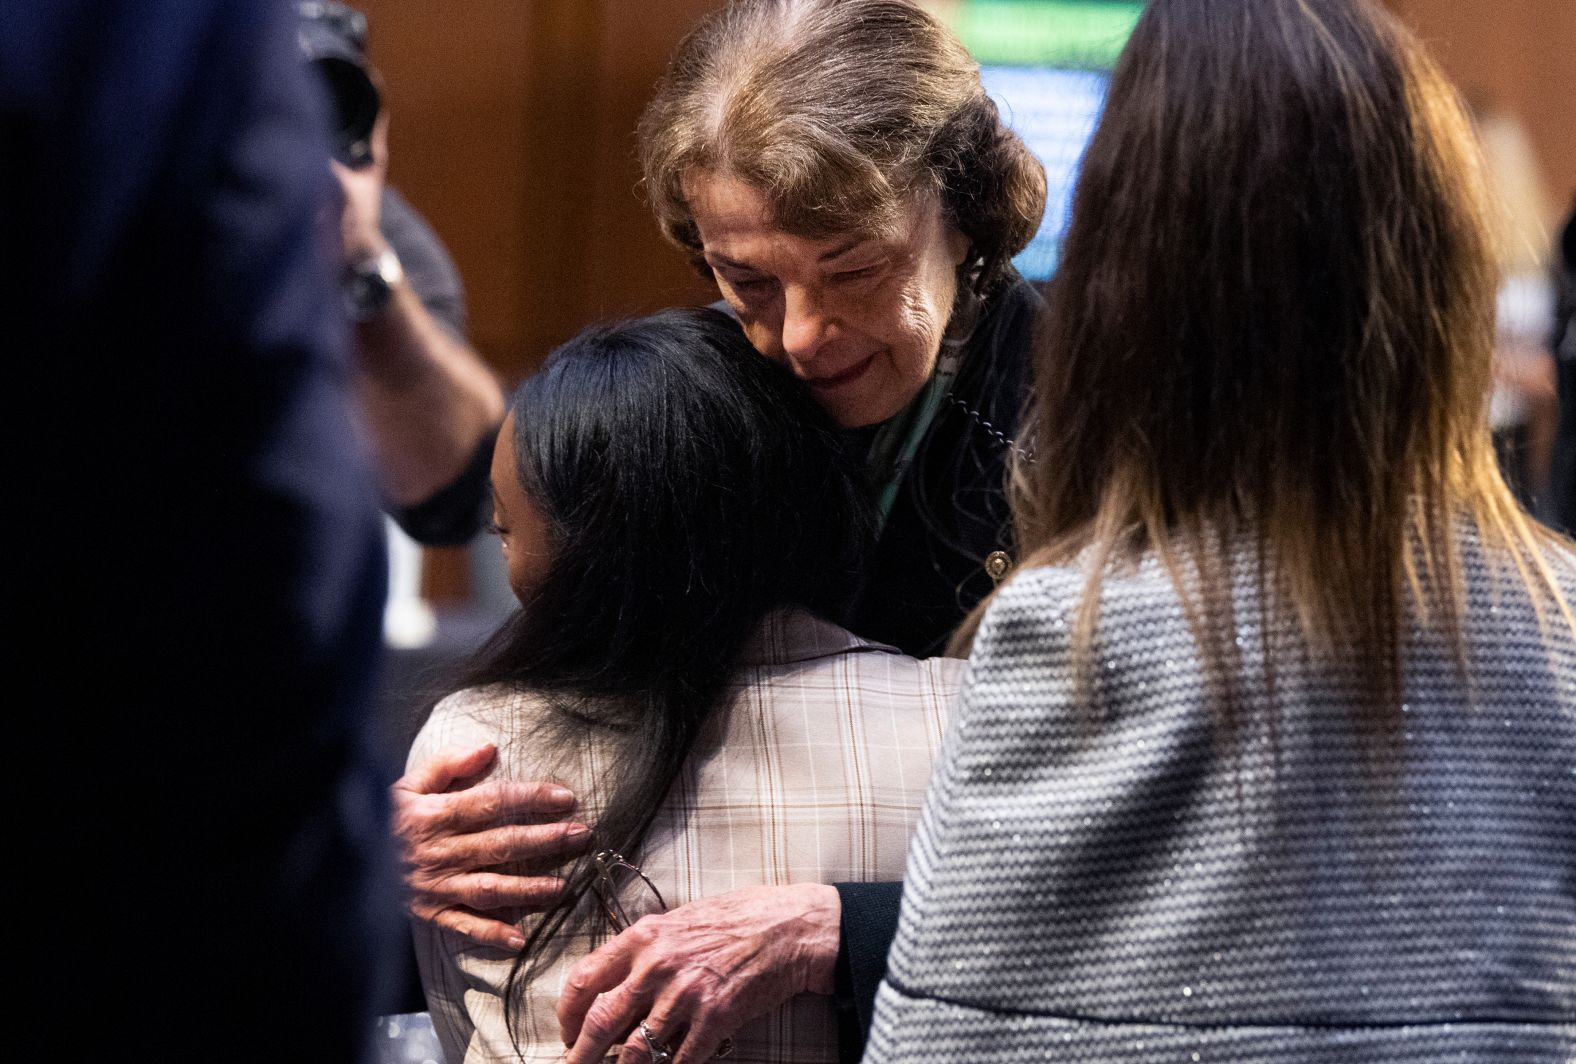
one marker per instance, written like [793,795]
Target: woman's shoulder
[496,713]
[1489,564]
[1560,554]
[798,650]
[939,676]
[1049,593]
[1510,595]
[1031,621]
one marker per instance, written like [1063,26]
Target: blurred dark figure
[201,859]
[430,404]
[1561,508]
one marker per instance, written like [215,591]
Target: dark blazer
[927,571]
[194,560]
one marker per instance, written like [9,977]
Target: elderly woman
[1267,753]
[839,171]
[838,168]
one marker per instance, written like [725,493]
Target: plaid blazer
[814,773]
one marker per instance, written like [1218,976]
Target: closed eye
[860,274]
[749,284]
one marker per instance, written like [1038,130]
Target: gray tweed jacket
[1131,886]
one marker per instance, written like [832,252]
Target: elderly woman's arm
[869,924]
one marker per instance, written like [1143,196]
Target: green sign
[1076,34]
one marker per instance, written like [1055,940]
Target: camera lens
[355,104]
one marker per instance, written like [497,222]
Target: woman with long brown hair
[1269,751]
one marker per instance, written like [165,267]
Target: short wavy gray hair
[842,112]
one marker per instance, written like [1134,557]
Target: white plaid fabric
[814,773]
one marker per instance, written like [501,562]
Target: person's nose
[807,324]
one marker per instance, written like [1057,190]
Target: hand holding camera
[333,39]
[428,402]
[362,188]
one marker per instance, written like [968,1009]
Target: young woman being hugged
[675,511]
[1267,751]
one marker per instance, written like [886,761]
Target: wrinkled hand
[452,829]
[695,975]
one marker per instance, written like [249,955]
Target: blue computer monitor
[1047,64]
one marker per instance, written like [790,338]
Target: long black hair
[690,487]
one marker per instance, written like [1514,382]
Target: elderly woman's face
[858,319]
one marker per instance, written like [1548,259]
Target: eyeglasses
[614,877]
[626,894]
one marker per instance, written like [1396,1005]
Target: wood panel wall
[1521,56]
[512,130]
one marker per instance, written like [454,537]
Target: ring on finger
[660,1053]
